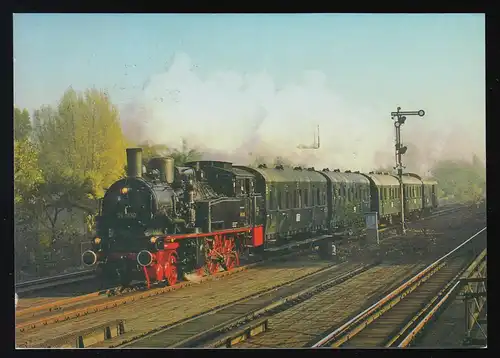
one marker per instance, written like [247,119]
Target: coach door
[257,210]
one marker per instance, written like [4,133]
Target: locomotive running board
[298,243]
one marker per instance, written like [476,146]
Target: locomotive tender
[162,221]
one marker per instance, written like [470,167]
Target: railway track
[395,320]
[143,308]
[54,281]
[29,322]
[54,311]
[208,326]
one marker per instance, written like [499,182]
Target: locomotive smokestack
[134,162]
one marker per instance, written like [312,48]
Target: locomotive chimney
[134,162]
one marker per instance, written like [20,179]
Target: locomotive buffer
[399,118]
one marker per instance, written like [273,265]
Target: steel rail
[53,278]
[257,309]
[449,293]
[370,310]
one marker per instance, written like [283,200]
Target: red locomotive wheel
[212,267]
[231,257]
[171,269]
[214,255]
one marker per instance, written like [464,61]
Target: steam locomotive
[162,220]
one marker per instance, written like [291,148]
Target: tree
[462,180]
[28,178]
[22,124]
[27,174]
[82,152]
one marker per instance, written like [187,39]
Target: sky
[240,86]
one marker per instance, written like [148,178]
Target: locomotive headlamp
[97,240]
[153,239]
[124,190]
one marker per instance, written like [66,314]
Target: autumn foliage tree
[63,160]
[461,180]
[82,152]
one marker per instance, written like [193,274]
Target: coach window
[271,199]
[280,204]
[300,198]
[313,197]
[287,200]
[306,198]
[317,197]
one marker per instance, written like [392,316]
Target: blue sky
[366,64]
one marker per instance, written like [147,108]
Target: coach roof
[383,179]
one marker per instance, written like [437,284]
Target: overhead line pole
[399,118]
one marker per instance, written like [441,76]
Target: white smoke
[236,117]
